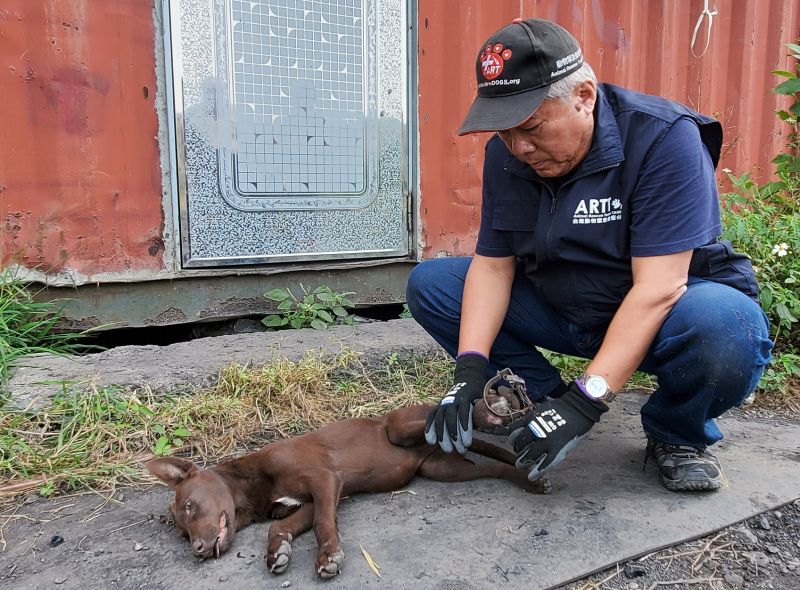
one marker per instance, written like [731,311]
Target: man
[599,239]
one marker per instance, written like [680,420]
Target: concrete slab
[603,509]
[485,534]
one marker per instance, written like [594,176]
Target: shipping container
[170,161]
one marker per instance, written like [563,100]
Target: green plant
[317,309]
[47,489]
[169,440]
[763,220]
[28,326]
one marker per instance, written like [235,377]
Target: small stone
[59,580]
[541,533]
[633,586]
[223,578]
[634,571]
[286,584]
[120,496]
[138,547]
[778,514]
[249,562]
[734,579]
[756,558]
[56,540]
[745,535]
[773,549]
[764,523]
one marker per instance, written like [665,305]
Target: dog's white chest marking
[287,501]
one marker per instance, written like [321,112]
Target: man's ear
[171,470]
[586,94]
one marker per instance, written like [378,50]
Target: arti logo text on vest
[597,211]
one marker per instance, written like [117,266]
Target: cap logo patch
[493,58]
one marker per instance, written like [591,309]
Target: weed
[28,326]
[575,366]
[763,220]
[317,309]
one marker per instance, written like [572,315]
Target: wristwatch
[596,387]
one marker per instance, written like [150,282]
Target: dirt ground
[760,553]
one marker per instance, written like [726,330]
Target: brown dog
[301,480]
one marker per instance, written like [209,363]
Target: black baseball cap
[515,68]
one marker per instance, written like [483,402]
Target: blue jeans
[708,355]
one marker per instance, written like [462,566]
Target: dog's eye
[188,505]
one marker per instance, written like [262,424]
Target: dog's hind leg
[405,427]
[283,532]
[443,467]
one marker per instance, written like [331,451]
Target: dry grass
[97,439]
[785,402]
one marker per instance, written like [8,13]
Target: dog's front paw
[540,486]
[329,563]
[279,553]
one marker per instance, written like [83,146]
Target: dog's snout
[199,547]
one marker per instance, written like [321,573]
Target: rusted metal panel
[80,181]
[208,298]
[644,45]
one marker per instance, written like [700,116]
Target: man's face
[557,137]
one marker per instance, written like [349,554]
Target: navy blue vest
[573,240]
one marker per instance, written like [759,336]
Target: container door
[290,129]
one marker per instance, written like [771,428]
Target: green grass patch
[571,367]
[28,326]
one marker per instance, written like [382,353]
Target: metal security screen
[300,96]
[290,129]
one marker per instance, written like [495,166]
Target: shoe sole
[692,485]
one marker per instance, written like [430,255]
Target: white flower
[781,249]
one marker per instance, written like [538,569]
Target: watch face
[596,386]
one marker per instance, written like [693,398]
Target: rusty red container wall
[80,182]
[644,45]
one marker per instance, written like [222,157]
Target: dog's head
[203,507]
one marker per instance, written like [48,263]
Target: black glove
[450,423]
[542,438]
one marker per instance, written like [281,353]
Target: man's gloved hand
[542,438]
[450,423]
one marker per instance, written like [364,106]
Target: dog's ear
[171,470]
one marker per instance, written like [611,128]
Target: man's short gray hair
[563,89]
